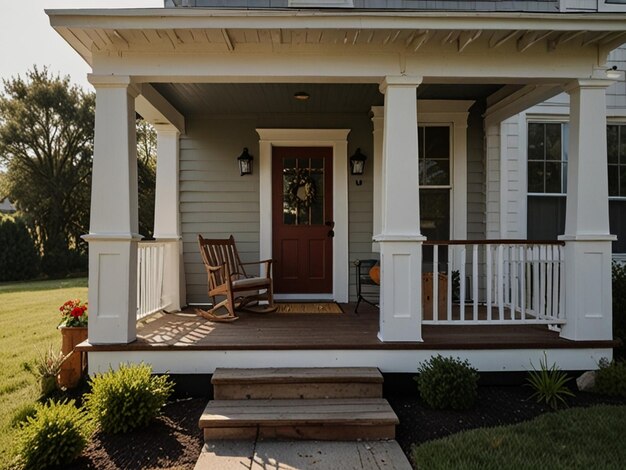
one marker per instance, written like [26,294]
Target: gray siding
[476,190]
[450,5]
[216,202]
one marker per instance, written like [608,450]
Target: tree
[146,176]
[46,144]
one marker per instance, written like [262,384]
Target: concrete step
[288,383]
[318,419]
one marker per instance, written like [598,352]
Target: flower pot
[72,368]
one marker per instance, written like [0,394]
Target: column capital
[115,81]
[399,81]
[587,83]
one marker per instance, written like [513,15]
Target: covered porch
[416,69]
[331,340]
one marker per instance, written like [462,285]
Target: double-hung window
[616,153]
[435,181]
[547,179]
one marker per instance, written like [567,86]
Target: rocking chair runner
[227,277]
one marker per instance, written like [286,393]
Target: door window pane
[303,191]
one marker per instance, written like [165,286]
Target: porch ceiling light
[357,163]
[301,95]
[245,162]
[613,74]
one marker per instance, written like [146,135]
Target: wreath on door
[301,189]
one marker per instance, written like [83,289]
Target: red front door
[302,219]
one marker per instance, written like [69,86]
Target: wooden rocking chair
[227,277]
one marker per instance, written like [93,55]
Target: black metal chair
[365,285]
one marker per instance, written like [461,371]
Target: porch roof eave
[88,30]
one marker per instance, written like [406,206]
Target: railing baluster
[500,273]
[436,283]
[475,282]
[561,285]
[449,293]
[522,274]
[555,282]
[489,280]
[513,281]
[462,282]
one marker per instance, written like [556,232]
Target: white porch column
[113,225]
[378,121]
[400,239]
[588,242]
[167,216]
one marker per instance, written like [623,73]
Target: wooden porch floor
[187,331]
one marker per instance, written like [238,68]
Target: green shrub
[128,398]
[447,383]
[619,308]
[611,379]
[25,411]
[549,384]
[53,437]
[19,258]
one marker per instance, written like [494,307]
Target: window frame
[564,161]
[615,122]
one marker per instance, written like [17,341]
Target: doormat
[309,307]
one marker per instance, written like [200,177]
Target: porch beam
[155,109]
[167,227]
[518,101]
[113,228]
[588,241]
[400,240]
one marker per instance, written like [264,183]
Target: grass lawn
[28,319]
[569,439]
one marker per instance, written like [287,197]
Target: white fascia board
[157,18]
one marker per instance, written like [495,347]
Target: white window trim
[532,119]
[337,139]
[453,113]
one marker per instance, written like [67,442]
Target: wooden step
[308,383]
[323,419]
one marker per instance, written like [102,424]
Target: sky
[27,39]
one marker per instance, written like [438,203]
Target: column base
[112,290]
[588,288]
[400,288]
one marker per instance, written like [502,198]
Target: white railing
[150,259]
[493,282]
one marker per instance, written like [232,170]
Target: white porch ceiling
[242,98]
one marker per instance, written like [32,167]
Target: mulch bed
[174,440]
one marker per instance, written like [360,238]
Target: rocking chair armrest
[259,262]
[215,268]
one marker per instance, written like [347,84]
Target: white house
[429,97]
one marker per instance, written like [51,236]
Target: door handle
[331,233]
[330,223]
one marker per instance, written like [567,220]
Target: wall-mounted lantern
[245,162]
[357,165]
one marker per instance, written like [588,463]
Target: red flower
[77,312]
